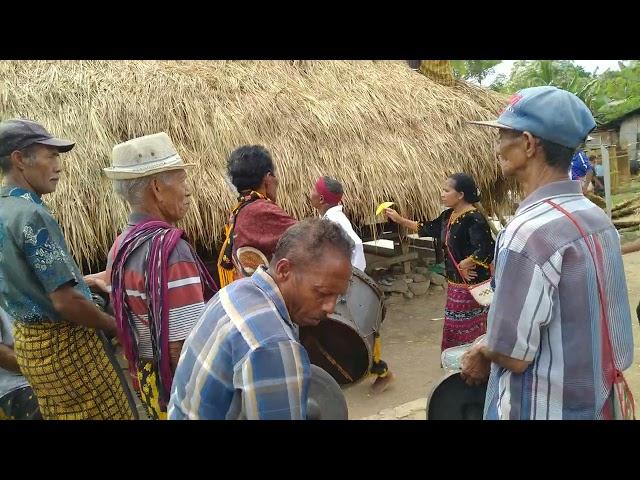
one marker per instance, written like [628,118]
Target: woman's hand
[466,264]
[391,214]
[467,269]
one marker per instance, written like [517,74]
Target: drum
[342,345]
[248,259]
[326,400]
[453,399]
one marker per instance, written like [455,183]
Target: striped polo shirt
[185,299]
[546,310]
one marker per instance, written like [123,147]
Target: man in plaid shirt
[243,359]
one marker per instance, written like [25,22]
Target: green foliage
[609,95]
[476,70]
[619,92]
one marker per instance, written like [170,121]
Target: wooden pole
[607,177]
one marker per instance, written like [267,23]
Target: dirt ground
[411,336]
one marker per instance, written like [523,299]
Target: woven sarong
[70,372]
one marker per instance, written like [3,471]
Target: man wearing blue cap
[559,326]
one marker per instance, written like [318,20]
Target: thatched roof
[387,132]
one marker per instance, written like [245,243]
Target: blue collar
[13,191]
[265,283]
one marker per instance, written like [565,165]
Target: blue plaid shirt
[242,360]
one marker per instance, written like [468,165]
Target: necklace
[454,216]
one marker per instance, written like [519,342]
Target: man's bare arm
[8,359]
[513,364]
[175,348]
[75,308]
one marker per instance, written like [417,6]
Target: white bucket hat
[144,156]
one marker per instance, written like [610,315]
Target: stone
[408,295]
[437,279]
[411,408]
[437,288]
[399,286]
[422,270]
[418,278]
[415,410]
[397,269]
[419,289]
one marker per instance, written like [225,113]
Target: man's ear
[530,144]
[283,270]
[18,160]
[155,187]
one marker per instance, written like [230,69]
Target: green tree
[618,92]
[476,70]
[563,74]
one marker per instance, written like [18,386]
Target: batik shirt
[34,259]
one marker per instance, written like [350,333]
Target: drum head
[251,258]
[453,399]
[326,400]
[338,349]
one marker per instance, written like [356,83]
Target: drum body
[342,345]
[451,398]
[326,399]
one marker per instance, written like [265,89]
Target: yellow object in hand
[382,207]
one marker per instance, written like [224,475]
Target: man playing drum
[326,198]
[243,359]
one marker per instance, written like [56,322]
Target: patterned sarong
[149,394]
[464,319]
[70,372]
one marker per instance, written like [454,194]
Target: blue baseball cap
[549,113]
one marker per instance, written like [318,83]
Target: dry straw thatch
[386,131]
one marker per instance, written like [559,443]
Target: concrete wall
[629,133]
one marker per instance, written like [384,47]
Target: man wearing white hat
[159,285]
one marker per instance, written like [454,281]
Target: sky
[589,65]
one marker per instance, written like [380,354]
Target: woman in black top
[465,236]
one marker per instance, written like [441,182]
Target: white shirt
[336,215]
